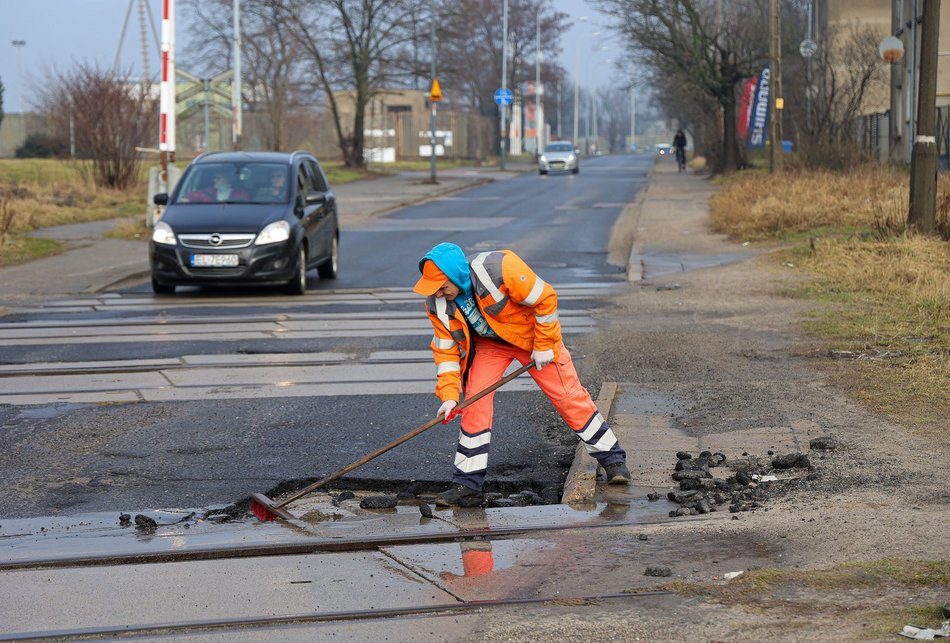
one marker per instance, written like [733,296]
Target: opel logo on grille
[215,239]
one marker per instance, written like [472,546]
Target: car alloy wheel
[331,267]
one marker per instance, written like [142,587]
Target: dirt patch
[726,345]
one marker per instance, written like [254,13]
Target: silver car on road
[559,156]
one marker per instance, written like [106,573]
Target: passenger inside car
[221,189]
[276,190]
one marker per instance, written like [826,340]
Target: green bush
[42,146]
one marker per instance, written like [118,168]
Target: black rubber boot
[459,496]
[617,473]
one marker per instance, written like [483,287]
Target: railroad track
[242,603]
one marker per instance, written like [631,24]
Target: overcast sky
[60,32]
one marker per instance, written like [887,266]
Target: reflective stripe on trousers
[557,380]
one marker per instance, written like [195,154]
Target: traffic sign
[435,94]
[503,96]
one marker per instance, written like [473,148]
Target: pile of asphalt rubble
[701,492]
[524,498]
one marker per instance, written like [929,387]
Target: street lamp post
[577,74]
[432,171]
[19,44]
[504,84]
[537,84]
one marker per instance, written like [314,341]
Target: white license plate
[214,261]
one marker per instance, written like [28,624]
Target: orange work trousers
[558,380]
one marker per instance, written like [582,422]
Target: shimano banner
[759,121]
[745,107]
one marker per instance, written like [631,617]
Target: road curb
[582,477]
[635,261]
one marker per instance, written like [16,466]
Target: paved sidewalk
[93,263]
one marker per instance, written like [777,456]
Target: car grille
[557,163]
[216,241]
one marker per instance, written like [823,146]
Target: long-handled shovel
[268,510]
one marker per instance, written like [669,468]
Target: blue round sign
[503,96]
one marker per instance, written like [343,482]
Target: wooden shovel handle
[395,443]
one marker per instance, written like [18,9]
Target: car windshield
[235,183]
[559,147]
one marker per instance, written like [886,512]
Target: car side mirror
[313,198]
[577,151]
[160,199]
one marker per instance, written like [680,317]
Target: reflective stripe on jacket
[518,305]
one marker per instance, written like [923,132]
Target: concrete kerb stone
[635,261]
[582,477]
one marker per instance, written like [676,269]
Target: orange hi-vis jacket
[517,304]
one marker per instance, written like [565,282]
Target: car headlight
[544,159]
[163,233]
[570,157]
[273,233]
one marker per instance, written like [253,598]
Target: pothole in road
[388,494]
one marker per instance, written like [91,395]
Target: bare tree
[272,64]
[111,118]
[357,48]
[690,43]
[846,70]
[470,50]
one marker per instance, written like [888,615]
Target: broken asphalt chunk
[658,571]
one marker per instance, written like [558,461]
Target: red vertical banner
[745,106]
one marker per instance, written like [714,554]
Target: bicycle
[681,158]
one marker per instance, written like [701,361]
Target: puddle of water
[638,400]
[49,412]
[453,561]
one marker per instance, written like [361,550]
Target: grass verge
[16,250]
[882,297]
[848,590]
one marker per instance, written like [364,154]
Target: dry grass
[882,295]
[755,206]
[852,593]
[47,192]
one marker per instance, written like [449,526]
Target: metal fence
[390,137]
[872,133]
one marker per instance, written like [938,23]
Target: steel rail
[301,548]
[196,626]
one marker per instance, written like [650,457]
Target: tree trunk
[730,154]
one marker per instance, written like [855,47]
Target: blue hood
[451,260]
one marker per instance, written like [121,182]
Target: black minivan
[242,218]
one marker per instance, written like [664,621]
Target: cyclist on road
[679,144]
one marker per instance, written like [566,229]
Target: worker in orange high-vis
[488,310]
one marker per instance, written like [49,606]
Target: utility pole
[538,125]
[432,97]
[633,121]
[20,44]
[923,161]
[775,80]
[577,83]
[504,84]
[236,102]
